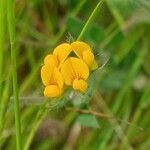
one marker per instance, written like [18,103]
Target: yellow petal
[52,91]
[83,51]
[79,47]
[74,68]
[51,60]
[62,51]
[80,85]
[46,74]
[88,57]
[67,72]
[58,78]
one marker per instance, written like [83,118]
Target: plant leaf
[88,121]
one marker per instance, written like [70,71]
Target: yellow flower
[59,68]
[75,73]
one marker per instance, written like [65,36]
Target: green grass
[2,39]
[118,32]
[12,35]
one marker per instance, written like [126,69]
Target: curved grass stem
[90,20]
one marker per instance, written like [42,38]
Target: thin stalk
[90,20]
[4,103]
[3,110]
[73,14]
[11,28]
[42,113]
[89,112]
[2,33]
[2,38]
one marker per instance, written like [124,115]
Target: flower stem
[90,20]
[11,28]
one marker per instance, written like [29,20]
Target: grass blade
[11,27]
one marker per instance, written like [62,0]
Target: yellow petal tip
[52,91]
[80,85]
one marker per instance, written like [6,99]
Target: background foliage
[119,36]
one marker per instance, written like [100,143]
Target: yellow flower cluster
[61,70]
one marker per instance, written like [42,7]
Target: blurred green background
[120,38]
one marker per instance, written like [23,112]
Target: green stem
[2,33]
[42,113]
[11,27]
[2,38]
[90,20]
[4,103]
[73,14]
